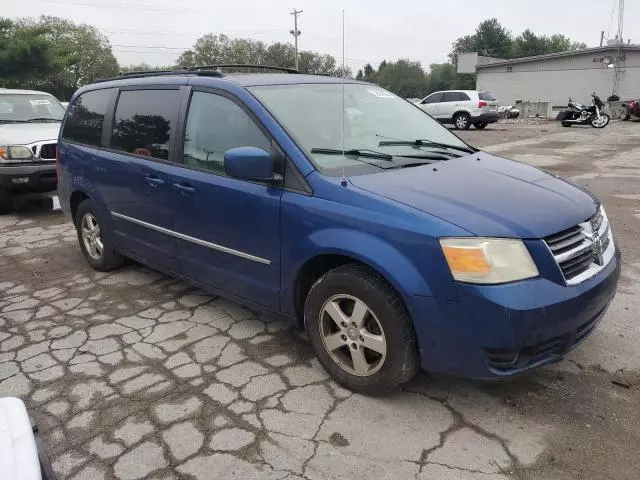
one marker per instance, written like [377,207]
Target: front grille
[583,250]
[48,151]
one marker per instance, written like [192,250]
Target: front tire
[479,126]
[566,124]
[461,121]
[6,201]
[600,123]
[360,330]
[95,243]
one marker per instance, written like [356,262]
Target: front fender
[394,265]
[378,254]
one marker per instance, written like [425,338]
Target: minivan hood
[486,195]
[27,133]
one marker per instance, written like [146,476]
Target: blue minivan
[342,206]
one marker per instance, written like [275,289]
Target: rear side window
[86,117]
[144,122]
[455,97]
[486,96]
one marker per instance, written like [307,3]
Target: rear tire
[566,124]
[479,126]
[95,241]
[627,115]
[461,121]
[371,348]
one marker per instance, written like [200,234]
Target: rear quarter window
[85,117]
[486,96]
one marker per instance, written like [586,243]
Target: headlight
[15,154]
[488,260]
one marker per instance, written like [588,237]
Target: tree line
[58,56]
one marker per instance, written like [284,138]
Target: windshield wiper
[354,152]
[40,119]
[13,121]
[423,143]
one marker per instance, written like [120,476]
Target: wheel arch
[382,258]
[75,199]
[463,112]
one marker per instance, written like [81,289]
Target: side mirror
[250,163]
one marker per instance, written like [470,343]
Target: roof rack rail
[154,73]
[244,65]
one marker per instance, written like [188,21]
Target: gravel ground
[134,375]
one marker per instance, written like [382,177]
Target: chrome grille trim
[46,148]
[576,249]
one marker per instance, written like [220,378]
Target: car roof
[461,91]
[15,91]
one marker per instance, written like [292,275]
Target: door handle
[154,181]
[184,189]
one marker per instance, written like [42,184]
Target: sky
[157,31]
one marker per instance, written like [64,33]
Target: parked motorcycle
[577,114]
[631,109]
[508,111]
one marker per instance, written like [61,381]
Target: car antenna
[343,180]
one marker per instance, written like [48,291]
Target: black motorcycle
[576,114]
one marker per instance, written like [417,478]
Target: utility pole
[295,32]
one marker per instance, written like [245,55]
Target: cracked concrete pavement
[134,375]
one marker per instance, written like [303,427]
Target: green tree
[79,54]
[490,39]
[213,49]
[528,44]
[24,52]
[144,67]
[404,77]
[442,76]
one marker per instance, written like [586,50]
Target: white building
[556,77]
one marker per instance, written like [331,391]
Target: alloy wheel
[461,122]
[352,335]
[91,236]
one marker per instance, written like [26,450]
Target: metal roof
[548,56]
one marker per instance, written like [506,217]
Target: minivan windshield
[29,108]
[377,125]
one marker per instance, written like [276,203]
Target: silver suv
[462,108]
[29,126]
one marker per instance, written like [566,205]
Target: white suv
[462,108]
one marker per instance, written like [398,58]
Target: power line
[295,32]
[119,6]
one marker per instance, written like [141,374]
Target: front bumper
[504,330]
[489,117]
[28,178]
